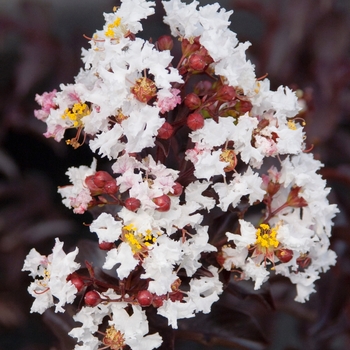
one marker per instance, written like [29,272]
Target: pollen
[138,242]
[291,125]
[228,156]
[266,238]
[110,28]
[76,113]
[114,339]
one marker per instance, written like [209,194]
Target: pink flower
[168,103]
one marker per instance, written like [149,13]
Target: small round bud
[195,121]
[188,47]
[92,298]
[157,301]
[132,204]
[165,131]
[77,281]
[243,107]
[144,298]
[226,93]
[304,261]
[106,245]
[284,255]
[101,177]
[177,189]
[163,203]
[197,62]
[111,187]
[192,101]
[165,42]
[174,296]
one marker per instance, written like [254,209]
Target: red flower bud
[195,121]
[226,93]
[165,131]
[157,301]
[174,296]
[92,298]
[177,189]
[106,245]
[101,177]
[132,204]
[111,187]
[144,298]
[192,101]
[243,107]
[284,255]
[77,281]
[165,42]
[188,47]
[163,203]
[197,62]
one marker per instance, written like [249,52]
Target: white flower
[50,278]
[77,196]
[106,228]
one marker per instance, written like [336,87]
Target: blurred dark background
[304,44]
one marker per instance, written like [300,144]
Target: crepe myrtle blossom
[189,134]
[50,286]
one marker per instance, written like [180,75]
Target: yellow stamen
[291,125]
[114,339]
[76,113]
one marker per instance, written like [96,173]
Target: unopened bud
[163,203]
[144,298]
[226,93]
[177,189]
[92,298]
[190,47]
[132,204]
[165,42]
[195,121]
[165,131]
[197,63]
[77,281]
[192,101]
[284,255]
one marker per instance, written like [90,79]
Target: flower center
[228,156]
[110,28]
[266,239]
[114,339]
[138,242]
[76,113]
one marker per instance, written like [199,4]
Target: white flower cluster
[177,158]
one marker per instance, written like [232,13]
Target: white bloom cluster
[179,158]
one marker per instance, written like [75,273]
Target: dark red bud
[165,131]
[197,62]
[226,93]
[163,203]
[243,107]
[284,255]
[111,187]
[92,298]
[192,101]
[273,188]
[101,177]
[132,204]
[144,298]
[190,47]
[174,296]
[106,245]
[165,42]
[195,121]
[157,301]
[177,189]
[77,281]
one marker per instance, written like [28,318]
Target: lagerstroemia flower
[50,278]
[184,152]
